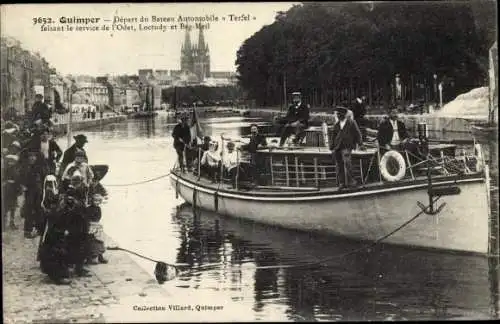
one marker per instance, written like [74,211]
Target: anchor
[437,191]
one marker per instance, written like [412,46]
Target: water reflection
[386,283]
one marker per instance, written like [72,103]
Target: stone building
[23,74]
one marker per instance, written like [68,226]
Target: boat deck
[276,191]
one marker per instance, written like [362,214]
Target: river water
[385,283]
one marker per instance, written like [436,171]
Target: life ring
[384,166]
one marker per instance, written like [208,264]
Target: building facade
[23,74]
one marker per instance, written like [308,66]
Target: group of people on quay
[61,205]
[347,135]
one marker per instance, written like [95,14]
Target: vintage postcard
[240,162]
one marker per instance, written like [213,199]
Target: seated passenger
[392,132]
[207,141]
[210,162]
[231,164]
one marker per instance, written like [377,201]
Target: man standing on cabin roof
[346,135]
[296,120]
[182,138]
[392,132]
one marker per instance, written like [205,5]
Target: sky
[125,52]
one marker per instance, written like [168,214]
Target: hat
[12,157]
[80,138]
[32,149]
[50,177]
[341,109]
[296,93]
[16,144]
[76,174]
[79,153]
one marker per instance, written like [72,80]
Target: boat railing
[301,168]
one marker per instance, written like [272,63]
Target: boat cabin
[311,166]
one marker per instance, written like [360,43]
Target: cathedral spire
[187,42]
[201,41]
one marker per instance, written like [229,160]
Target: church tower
[202,58]
[187,55]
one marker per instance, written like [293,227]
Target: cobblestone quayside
[107,296]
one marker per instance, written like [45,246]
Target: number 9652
[42,20]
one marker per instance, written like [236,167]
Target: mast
[284,89]
[68,125]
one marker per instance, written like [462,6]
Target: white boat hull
[462,225]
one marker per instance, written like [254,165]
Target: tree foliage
[320,47]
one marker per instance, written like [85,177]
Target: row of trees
[202,95]
[335,51]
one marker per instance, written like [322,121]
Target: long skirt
[54,252]
[95,240]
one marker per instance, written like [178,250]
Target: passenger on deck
[182,137]
[392,132]
[231,163]
[296,120]
[210,162]
[346,135]
[206,144]
[257,164]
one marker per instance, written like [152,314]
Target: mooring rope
[136,183]
[303,265]
[397,229]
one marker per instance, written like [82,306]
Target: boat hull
[462,225]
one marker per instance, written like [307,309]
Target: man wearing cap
[230,163]
[40,110]
[32,178]
[257,163]
[392,132]
[182,138]
[346,135]
[69,154]
[11,189]
[296,120]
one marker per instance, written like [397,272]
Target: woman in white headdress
[53,251]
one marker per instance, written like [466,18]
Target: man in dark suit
[345,136]
[296,120]
[182,139]
[69,154]
[392,132]
[257,164]
[47,146]
[40,110]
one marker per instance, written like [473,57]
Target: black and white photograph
[252,161]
